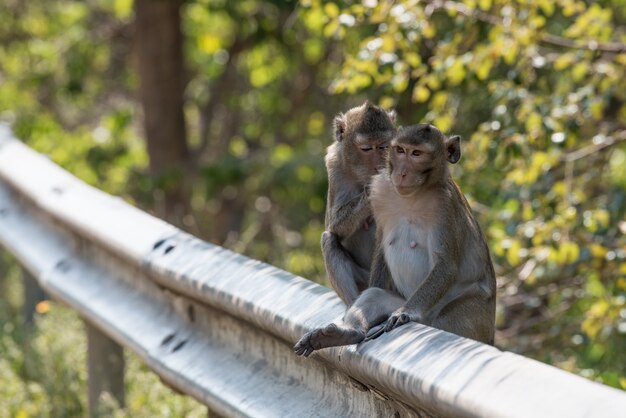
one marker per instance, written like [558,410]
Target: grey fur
[431,254]
[349,239]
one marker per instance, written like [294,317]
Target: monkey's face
[370,151]
[410,166]
[417,158]
[363,135]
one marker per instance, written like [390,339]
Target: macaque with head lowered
[432,263]
[362,135]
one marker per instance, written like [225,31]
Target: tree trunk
[161,75]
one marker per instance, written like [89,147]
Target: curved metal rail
[219,326]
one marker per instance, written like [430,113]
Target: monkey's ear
[340,127]
[453,149]
[392,115]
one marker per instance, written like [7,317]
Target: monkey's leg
[370,309]
[463,313]
[331,335]
[469,316]
[345,276]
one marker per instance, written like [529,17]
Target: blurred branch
[522,325]
[527,269]
[614,47]
[221,86]
[460,8]
[570,158]
[224,83]
[436,5]
[591,149]
[521,317]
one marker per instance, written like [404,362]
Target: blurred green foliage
[43,369]
[536,88]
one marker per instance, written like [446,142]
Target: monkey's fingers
[402,319]
[304,350]
[375,332]
[303,346]
[391,323]
[395,321]
[299,349]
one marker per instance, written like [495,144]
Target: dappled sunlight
[222,132]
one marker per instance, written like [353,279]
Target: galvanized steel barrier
[218,326]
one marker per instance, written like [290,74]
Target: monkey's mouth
[404,190]
[408,187]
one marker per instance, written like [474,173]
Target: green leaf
[455,73]
[420,94]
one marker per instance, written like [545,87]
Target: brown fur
[361,138]
[459,281]
[430,254]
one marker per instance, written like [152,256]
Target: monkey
[362,135]
[431,263]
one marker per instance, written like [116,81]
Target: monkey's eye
[366,149]
[383,147]
[400,150]
[416,153]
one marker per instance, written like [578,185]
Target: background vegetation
[536,88]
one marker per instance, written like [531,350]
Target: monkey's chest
[361,245]
[407,254]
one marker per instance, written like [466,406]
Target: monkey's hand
[402,316]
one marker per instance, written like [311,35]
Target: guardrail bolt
[167,339]
[63,266]
[58,190]
[170,247]
[179,346]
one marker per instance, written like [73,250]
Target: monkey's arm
[342,269]
[379,273]
[439,281]
[347,213]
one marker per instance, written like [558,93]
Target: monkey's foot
[329,336]
[375,332]
[396,320]
[400,317]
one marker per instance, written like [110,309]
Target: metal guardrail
[220,327]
